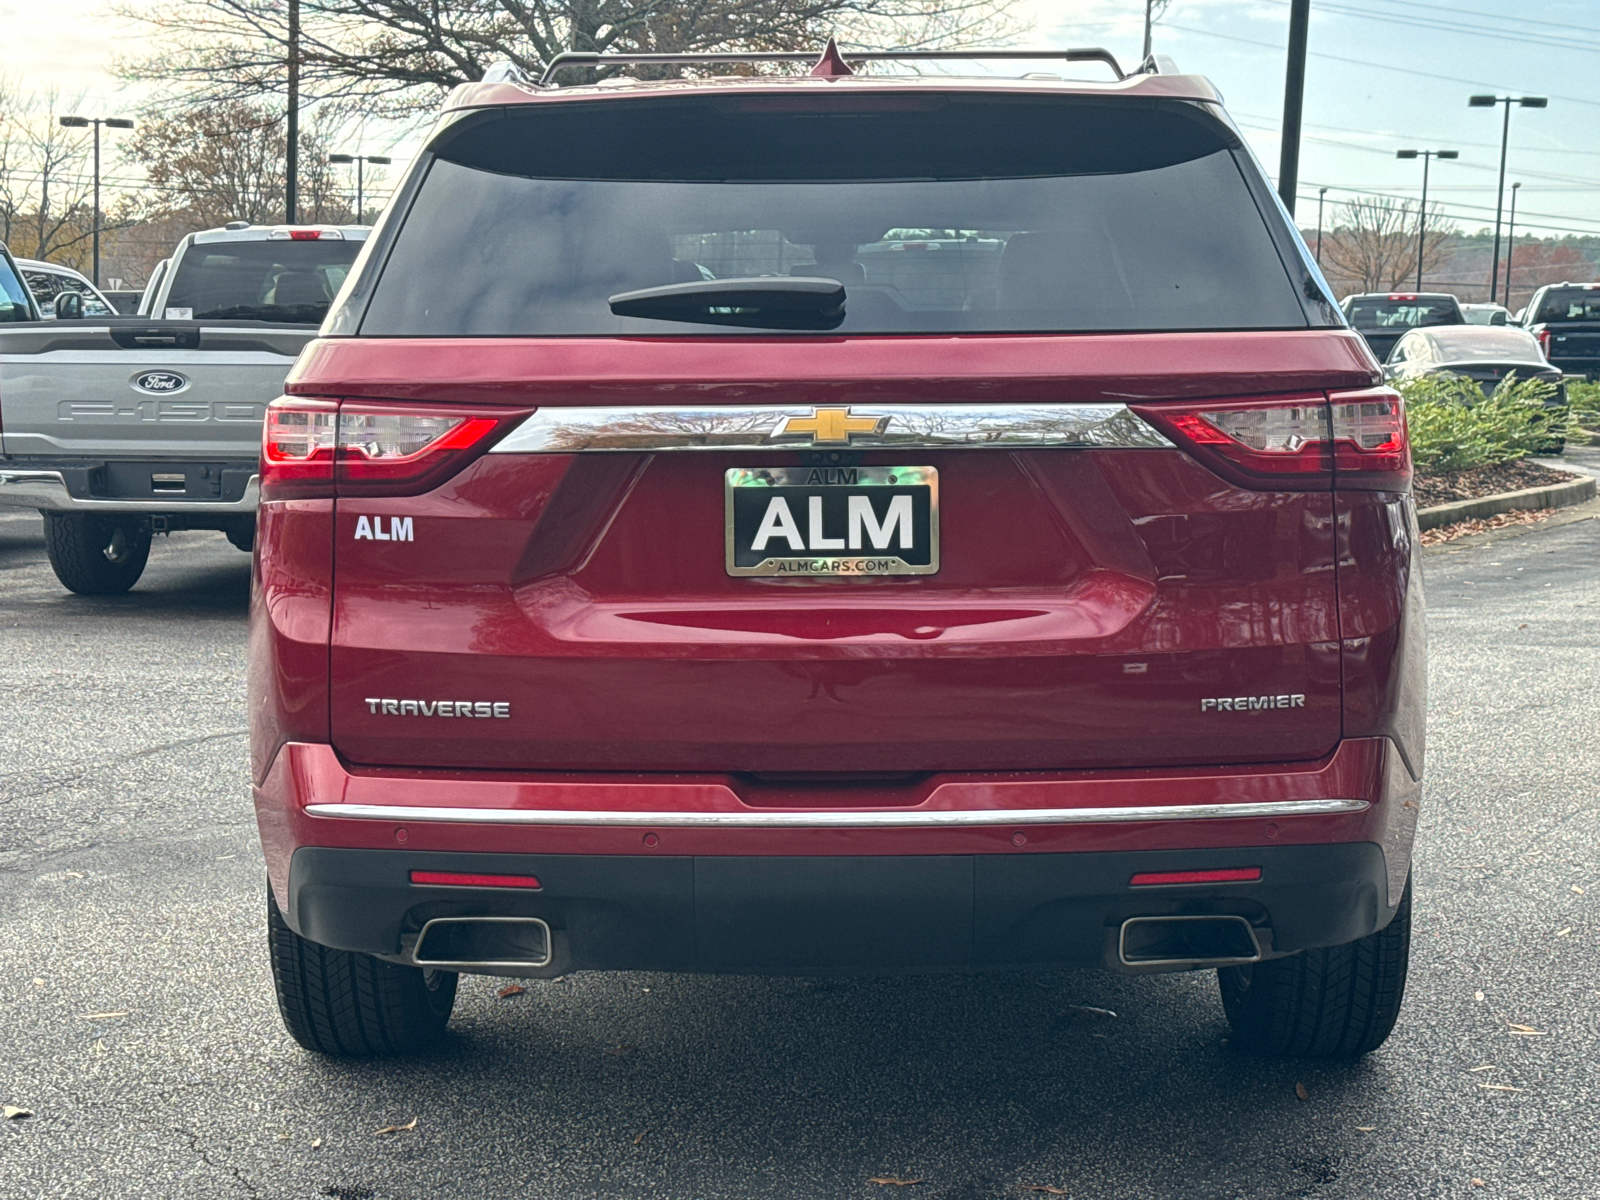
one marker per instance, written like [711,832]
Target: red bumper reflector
[464,879]
[1158,878]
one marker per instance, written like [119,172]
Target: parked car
[609,616]
[1484,355]
[125,301]
[16,301]
[1486,314]
[117,428]
[48,280]
[1383,319]
[1565,317]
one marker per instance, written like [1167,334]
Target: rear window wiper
[792,302]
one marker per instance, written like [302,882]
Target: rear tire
[349,1005]
[1335,1002]
[96,555]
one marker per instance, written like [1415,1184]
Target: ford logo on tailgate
[160,383]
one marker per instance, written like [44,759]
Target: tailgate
[1101,601]
[143,390]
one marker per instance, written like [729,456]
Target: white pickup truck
[118,428]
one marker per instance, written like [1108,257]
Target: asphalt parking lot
[137,1021]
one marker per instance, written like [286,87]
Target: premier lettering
[778,523]
[440,708]
[1251,703]
[372,529]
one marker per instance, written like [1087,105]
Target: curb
[1556,495]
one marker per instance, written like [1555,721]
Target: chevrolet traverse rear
[837,524]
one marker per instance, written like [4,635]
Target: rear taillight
[1544,341]
[1297,443]
[323,447]
[1371,448]
[297,442]
[390,450]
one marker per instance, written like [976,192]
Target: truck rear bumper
[46,490]
[674,872]
[836,914]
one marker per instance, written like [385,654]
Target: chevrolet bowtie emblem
[829,426]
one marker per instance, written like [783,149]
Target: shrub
[1455,427]
[1584,397]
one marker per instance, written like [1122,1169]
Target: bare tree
[45,188]
[225,162]
[1373,244]
[396,56]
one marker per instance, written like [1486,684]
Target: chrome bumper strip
[47,491]
[837,819]
[897,427]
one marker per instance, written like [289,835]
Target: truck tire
[1335,1002]
[96,555]
[349,1005]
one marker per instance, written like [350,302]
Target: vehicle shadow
[976,1086]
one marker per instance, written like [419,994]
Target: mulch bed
[1485,481]
[1460,529]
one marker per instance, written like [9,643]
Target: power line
[1531,38]
[1362,62]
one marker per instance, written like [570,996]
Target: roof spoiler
[830,64]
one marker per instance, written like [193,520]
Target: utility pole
[1422,215]
[291,196]
[81,123]
[1511,242]
[1321,193]
[1294,91]
[1500,194]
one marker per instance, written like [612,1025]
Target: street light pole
[109,123]
[1321,192]
[1422,216]
[1500,193]
[1511,242]
[1294,91]
[376,160]
[291,191]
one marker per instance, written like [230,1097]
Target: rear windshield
[1487,344]
[1403,314]
[13,296]
[288,281]
[1569,304]
[938,215]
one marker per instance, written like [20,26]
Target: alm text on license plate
[832,521]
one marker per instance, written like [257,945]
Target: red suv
[834,524]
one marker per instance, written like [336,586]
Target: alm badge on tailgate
[831,521]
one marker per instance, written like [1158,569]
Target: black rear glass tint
[1403,314]
[277,280]
[1569,304]
[937,216]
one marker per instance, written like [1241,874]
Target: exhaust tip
[1190,941]
[484,943]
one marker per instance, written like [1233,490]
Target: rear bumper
[47,490]
[673,872]
[836,914]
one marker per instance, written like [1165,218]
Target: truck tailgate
[145,390]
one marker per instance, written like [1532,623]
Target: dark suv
[837,524]
[1384,318]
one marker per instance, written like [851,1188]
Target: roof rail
[582,58]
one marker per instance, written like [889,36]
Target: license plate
[804,522]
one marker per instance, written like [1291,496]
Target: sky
[1383,75]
